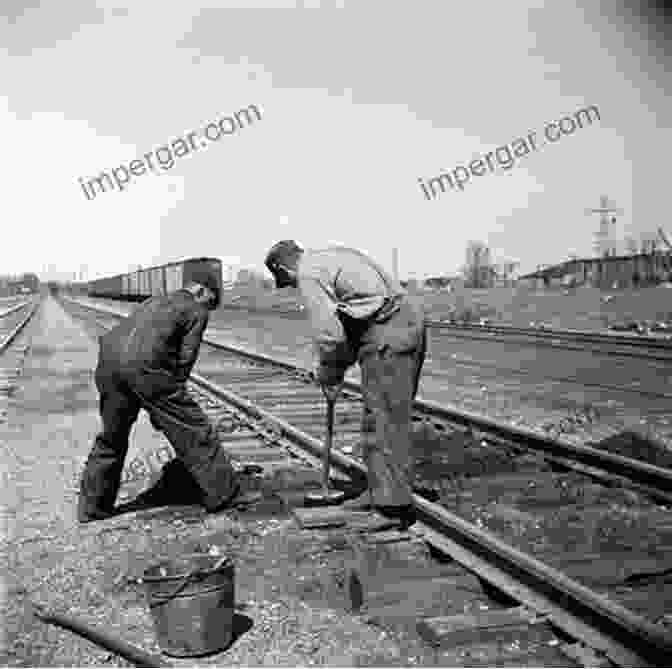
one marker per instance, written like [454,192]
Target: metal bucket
[191,600]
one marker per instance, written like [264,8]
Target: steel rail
[640,341]
[13,308]
[624,636]
[17,329]
[568,344]
[575,381]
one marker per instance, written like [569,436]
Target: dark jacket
[162,335]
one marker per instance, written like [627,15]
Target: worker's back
[151,337]
[349,278]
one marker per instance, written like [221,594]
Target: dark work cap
[280,252]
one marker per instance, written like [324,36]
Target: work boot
[360,503]
[176,486]
[405,515]
[91,516]
[429,494]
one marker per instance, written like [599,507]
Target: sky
[358,100]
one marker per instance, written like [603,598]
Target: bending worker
[360,314]
[144,362]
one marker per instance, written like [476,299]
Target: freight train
[161,280]
[23,285]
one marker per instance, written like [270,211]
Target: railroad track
[650,347]
[12,347]
[572,545]
[601,343]
[661,341]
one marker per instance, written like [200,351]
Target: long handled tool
[327,496]
[138,656]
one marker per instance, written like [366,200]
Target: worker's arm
[333,353]
[194,327]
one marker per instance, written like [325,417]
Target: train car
[107,287]
[26,284]
[160,280]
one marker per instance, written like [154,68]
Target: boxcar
[27,283]
[160,280]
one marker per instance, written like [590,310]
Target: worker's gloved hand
[332,392]
[328,376]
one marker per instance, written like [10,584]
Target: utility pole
[395,263]
[605,238]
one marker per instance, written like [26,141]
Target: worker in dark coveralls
[144,363]
[359,313]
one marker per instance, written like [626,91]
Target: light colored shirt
[345,279]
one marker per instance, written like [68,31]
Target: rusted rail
[571,336]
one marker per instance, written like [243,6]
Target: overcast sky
[358,100]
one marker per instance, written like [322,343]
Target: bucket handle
[189,576]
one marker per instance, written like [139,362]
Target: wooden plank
[512,514]
[378,563]
[408,593]
[336,516]
[497,655]
[237,437]
[326,517]
[518,623]
[242,444]
[585,656]
[372,556]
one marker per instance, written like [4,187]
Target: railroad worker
[359,313]
[144,363]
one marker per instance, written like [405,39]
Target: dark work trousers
[391,355]
[172,411]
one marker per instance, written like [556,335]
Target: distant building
[252,279]
[610,272]
[443,282]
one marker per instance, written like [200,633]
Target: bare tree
[664,238]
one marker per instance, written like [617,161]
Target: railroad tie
[501,626]
[393,573]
